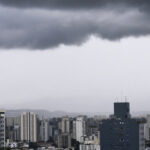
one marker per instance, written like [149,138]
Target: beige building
[65,125]
[29,127]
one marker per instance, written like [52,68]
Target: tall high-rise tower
[80,127]
[65,125]
[29,127]
[2,128]
[44,130]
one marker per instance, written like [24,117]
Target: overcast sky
[75,56]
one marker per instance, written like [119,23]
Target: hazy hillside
[41,113]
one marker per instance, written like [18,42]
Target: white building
[89,147]
[90,143]
[29,127]
[44,130]
[2,128]
[80,128]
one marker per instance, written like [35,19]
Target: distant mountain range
[51,114]
[40,113]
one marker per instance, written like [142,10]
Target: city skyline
[71,71]
[118,131]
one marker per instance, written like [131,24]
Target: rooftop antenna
[125,98]
[121,93]
[117,99]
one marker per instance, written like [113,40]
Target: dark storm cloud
[49,23]
[70,4]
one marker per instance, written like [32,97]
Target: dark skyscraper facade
[121,132]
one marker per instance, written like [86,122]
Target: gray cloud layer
[54,24]
[70,4]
